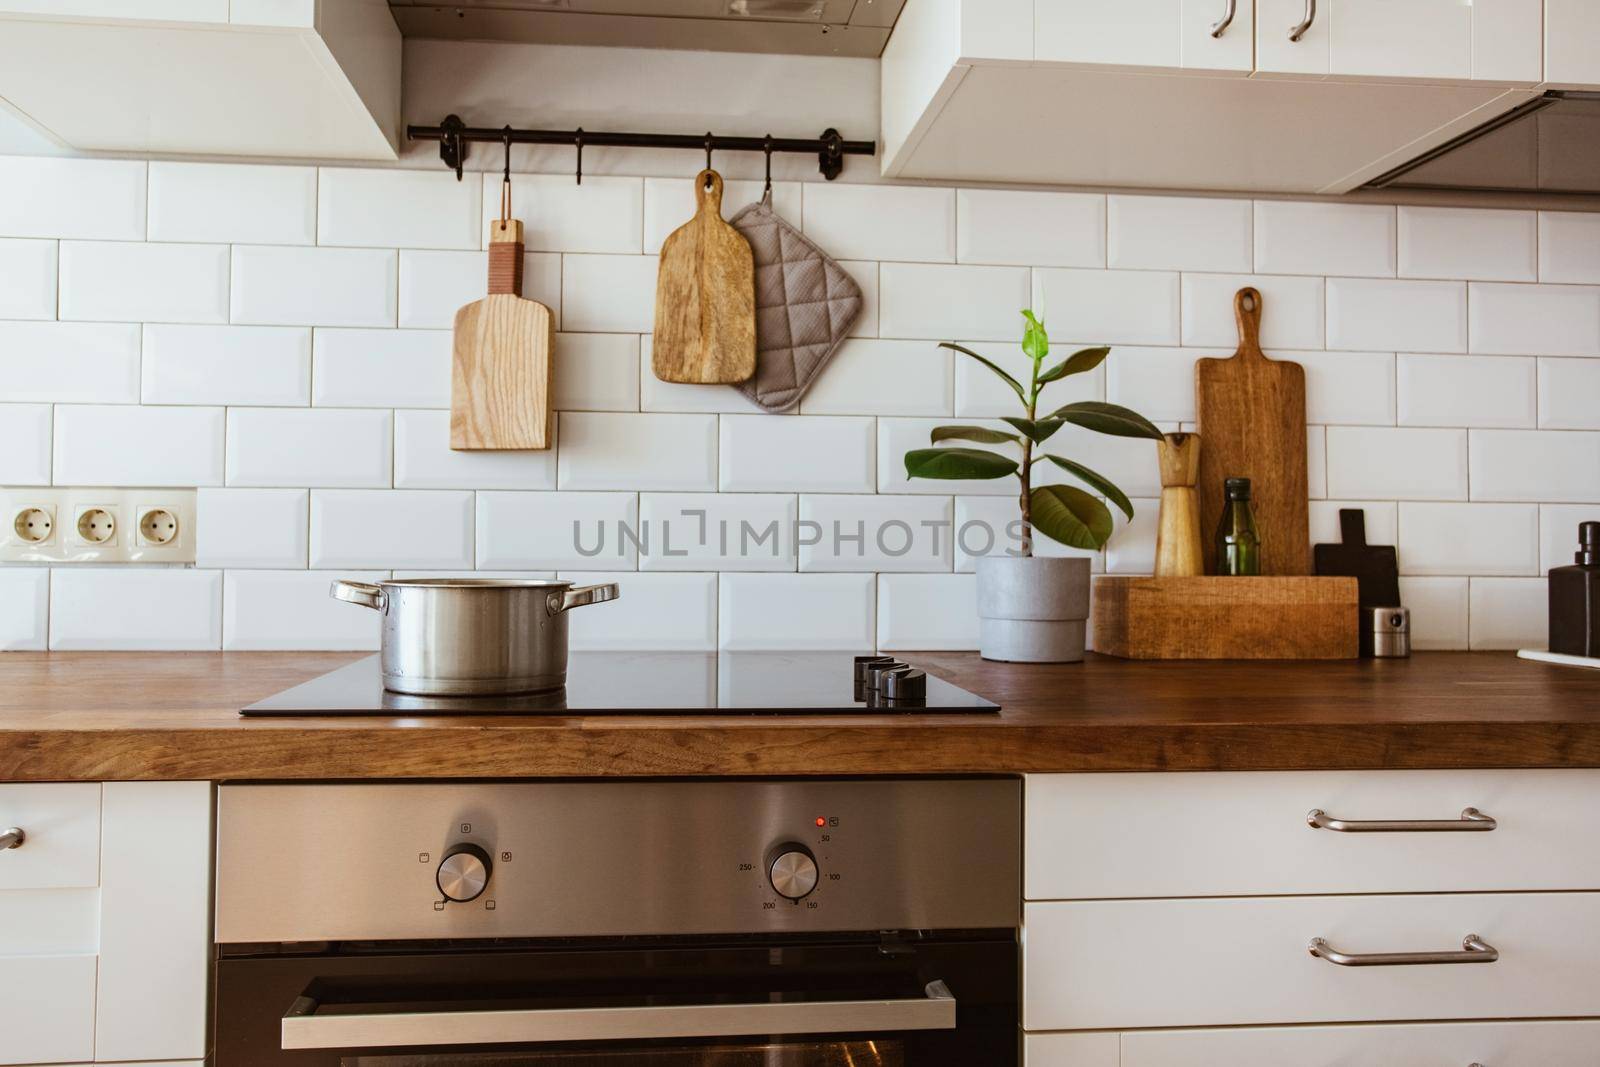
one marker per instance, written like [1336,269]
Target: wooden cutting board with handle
[1252,413]
[705,297]
[500,375]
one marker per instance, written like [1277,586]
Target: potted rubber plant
[1033,609]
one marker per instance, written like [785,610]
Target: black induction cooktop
[633,683]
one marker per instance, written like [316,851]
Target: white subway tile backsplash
[270,609]
[1438,613]
[717,532]
[871,377]
[108,609]
[1535,320]
[596,372]
[264,528]
[989,526]
[28,268]
[1347,388]
[24,609]
[907,223]
[282,286]
[655,612]
[391,528]
[118,444]
[233,203]
[803,454]
[980,392]
[423,459]
[25,444]
[595,531]
[872,532]
[397,209]
[1381,517]
[1466,390]
[1457,539]
[608,294]
[820,612]
[435,285]
[1109,307]
[929,612]
[1509,613]
[1030,229]
[1396,463]
[85,363]
[1291,315]
[1443,242]
[657,395]
[1132,548]
[604,214]
[262,366]
[1569,247]
[313,448]
[1158,383]
[1397,315]
[1569,394]
[92,199]
[1320,238]
[938,302]
[607,450]
[865,275]
[1178,233]
[1554,466]
[670,203]
[381,368]
[121,281]
[1558,532]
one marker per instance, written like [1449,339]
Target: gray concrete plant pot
[1032,609]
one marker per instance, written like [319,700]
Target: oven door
[731,1005]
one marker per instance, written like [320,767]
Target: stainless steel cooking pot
[468,636]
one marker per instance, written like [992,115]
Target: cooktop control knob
[463,873]
[792,870]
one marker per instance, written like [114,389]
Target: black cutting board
[1374,567]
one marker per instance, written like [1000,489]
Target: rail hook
[708,153]
[577,140]
[766,191]
[505,184]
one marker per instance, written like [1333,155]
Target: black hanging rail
[454,136]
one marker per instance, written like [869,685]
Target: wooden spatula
[1252,414]
[705,297]
[500,379]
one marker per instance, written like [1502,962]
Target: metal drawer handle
[1220,27]
[1298,30]
[12,838]
[1472,821]
[1474,949]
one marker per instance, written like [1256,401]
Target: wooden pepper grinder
[1178,545]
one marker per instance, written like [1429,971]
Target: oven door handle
[305,1028]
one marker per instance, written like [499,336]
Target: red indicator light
[821,821]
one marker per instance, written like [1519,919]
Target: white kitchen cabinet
[48,1007]
[1572,43]
[1145,34]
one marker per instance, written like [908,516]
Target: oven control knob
[792,870]
[463,873]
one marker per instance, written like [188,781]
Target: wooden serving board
[1226,618]
[1252,413]
[705,297]
[500,374]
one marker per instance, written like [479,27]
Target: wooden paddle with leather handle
[705,297]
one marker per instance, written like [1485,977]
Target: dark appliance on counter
[734,923]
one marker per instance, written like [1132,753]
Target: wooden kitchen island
[93,716]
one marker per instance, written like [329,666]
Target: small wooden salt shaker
[1178,544]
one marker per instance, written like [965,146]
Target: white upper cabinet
[1572,43]
[1146,34]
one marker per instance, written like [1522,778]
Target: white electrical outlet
[97,525]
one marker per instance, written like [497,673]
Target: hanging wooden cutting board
[1252,413]
[705,297]
[500,377]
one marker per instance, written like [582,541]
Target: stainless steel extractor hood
[1551,145]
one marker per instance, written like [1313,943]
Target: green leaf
[1110,419]
[957,463]
[1016,386]
[1035,341]
[1038,430]
[1098,482]
[1069,515]
[973,433]
[1084,360]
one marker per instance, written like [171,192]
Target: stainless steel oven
[816,923]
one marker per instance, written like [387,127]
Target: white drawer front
[1228,834]
[1541,1044]
[62,848]
[48,1008]
[1112,965]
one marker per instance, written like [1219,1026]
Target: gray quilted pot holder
[805,306]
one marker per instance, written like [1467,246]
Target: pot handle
[362,593]
[582,596]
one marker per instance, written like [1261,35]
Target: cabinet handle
[1474,949]
[1298,30]
[12,838]
[1472,821]
[1229,10]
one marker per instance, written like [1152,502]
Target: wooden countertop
[94,715]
